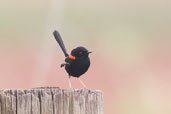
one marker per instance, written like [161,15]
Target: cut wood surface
[51,100]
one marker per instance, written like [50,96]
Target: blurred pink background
[130,40]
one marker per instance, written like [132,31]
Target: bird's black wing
[60,42]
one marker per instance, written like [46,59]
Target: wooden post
[50,100]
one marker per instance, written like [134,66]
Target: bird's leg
[63,64]
[70,85]
[82,83]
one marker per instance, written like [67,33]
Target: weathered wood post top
[50,100]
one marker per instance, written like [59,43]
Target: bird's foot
[63,64]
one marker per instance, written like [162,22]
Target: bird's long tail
[60,42]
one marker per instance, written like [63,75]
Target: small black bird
[76,63]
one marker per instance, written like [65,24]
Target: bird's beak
[89,52]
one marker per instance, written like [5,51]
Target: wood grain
[51,100]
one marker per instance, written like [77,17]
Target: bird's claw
[63,64]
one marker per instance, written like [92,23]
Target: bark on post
[51,100]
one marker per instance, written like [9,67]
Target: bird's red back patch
[72,57]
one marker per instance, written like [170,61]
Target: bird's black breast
[77,67]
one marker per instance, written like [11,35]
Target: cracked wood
[51,100]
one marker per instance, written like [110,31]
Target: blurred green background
[130,40]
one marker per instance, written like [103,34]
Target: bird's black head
[80,52]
